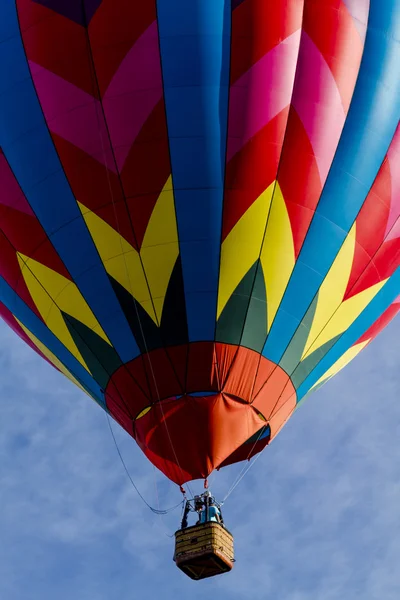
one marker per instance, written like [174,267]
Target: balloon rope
[99,123]
[154,510]
[243,472]
[245,469]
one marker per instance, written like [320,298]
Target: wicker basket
[204,550]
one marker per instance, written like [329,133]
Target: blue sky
[318,517]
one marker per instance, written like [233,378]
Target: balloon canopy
[199,206]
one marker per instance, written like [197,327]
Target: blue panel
[29,149]
[197,257]
[198,166]
[24,314]
[372,120]
[195,55]
[323,240]
[374,310]
[266,433]
[284,329]
[8,25]
[85,259]
[199,213]
[198,17]
[187,123]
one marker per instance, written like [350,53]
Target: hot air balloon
[199,206]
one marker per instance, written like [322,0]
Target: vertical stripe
[29,149]
[195,55]
[370,126]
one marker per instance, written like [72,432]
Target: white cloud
[317,516]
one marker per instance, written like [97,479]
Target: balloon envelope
[199,206]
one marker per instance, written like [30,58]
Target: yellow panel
[345,315]
[277,257]
[333,288]
[161,228]
[60,293]
[143,412]
[242,247]
[51,357]
[120,259]
[47,287]
[160,248]
[145,274]
[341,362]
[109,242]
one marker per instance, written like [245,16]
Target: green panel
[255,329]
[174,329]
[101,358]
[231,321]
[295,349]
[309,363]
[146,332]
[316,388]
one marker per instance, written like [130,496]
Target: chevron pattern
[231,177]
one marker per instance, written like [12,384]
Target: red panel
[25,234]
[8,317]
[225,355]
[299,179]
[372,220]
[264,372]
[128,388]
[246,452]
[10,270]
[202,375]
[123,394]
[241,377]
[120,415]
[332,29]
[383,265]
[178,356]
[136,369]
[146,170]
[380,323]
[252,170]
[258,26]
[62,46]
[283,412]
[56,43]
[204,432]
[96,187]
[187,436]
[113,30]
[274,393]
[22,233]
[374,259]
[161,377]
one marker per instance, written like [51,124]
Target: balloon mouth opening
[190,436]
[201,406]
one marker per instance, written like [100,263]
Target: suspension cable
[156,511]
[103,116]
[245,469]
[240,477]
